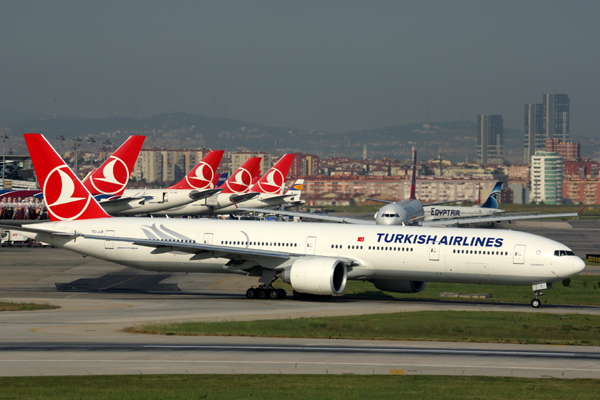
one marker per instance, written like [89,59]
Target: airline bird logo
[113,178]
[202,177]
[240,182]
[61,197]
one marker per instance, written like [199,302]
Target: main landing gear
[265,293]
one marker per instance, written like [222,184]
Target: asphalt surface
[99,299]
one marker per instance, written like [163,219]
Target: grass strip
[582,290]
[148,387]
[8,306]
[462,326]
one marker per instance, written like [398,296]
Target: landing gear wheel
[251,293]
[282,294]
[536,303]
[262,294]
[273,294]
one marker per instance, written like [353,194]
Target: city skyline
[335,66]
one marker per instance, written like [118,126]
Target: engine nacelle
[317,275]
[392,285]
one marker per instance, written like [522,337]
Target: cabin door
[519,256]
[208,238]
[434,252]
[311,243]
[109,244]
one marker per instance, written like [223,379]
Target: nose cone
[578,265]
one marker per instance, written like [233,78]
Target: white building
[546,178]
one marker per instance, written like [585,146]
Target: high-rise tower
[556,116]
[490,141]
[535,140]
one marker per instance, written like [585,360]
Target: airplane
[108,183]
[266,192]
[315,259]
[413,211]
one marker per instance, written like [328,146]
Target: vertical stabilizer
[112,176]
[241,180]
[414,175]
[273,181]
[494,198]
[66,197]
[202,176]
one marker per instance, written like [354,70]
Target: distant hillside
[456,140]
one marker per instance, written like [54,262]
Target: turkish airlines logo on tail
[273,182]
[60,196]
[202,177]
[112,178]
[240,182]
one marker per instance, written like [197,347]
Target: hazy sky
[331,65]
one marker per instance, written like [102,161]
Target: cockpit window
[562,253]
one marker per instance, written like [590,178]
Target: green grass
[7,306]
[583,290]
[494,327]
[150,387]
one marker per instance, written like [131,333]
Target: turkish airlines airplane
[108,183]
[314,258]
[236,187]
[266,192]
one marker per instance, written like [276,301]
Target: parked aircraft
[266,192]
[314,258]
[108,183]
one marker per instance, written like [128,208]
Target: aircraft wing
[492,218]
[332,218]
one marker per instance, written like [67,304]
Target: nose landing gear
[536,303]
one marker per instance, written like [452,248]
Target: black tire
[282,294]
[273,294]
[262,294]
[536,303]
[251,293]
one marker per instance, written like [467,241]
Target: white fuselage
[157,199]
[450,212]
[380,252]
[221,204]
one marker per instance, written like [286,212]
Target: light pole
[76,143]
[4,137]
[106,144]
[92,141]
[61,139]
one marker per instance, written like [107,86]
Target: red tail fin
[65,196]
[274,180]
[242,179]
[414,175]
[203,174]
[112,176]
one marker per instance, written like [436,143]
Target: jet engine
[392,285]
[317,275]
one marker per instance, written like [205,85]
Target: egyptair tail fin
[494,198]
[220,179]
[66,197]
[274,180]
[241,180]
[112,176]
[414,175]
[203,174]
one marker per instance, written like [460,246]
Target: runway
[85,336]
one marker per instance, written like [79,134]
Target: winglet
[66,197]
[274,180]
[580,211]
[203,174]
[113,175]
